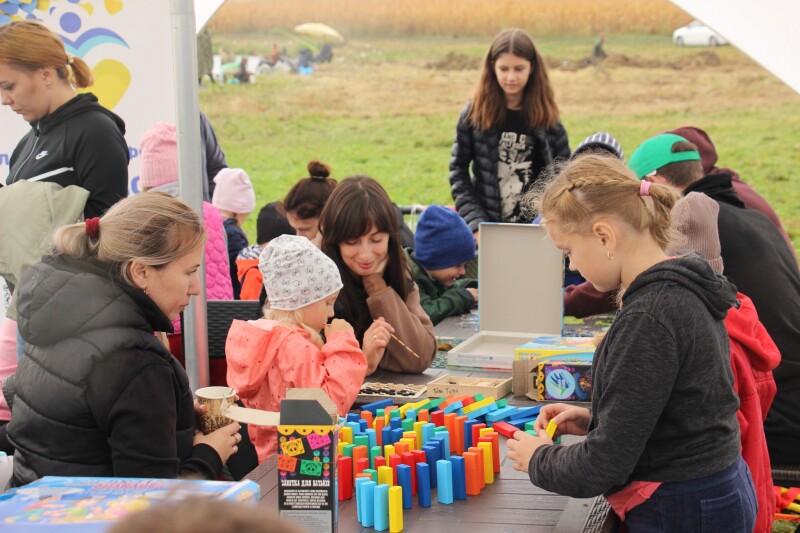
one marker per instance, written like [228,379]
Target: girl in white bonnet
[285,349]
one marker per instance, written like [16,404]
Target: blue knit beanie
[442,239]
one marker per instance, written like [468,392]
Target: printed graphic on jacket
[513,171]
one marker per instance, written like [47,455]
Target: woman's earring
[610,256]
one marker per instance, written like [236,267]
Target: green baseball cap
[656,152]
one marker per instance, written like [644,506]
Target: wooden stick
[401,343]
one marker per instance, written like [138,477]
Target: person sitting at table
[662,436]
[265,357]
[97,393]
[443,243]
[360,232]
[307,198]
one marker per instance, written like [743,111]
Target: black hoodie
[663,404]
[762,266]
[80,143]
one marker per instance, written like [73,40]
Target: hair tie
[318,178]
[644,188]
[70,59]
[93,227]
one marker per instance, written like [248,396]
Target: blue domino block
[454,407]
[423,484]
[500,414]
[396,423]
[363,424]
[356,427]
[520,422]
[374,406]
[459,478]
[472,415]
[411,414]
[368,502]
[431,456]
[444,475]
[352,417]
[397,434]
[372,436]
[386,435]
[359,495]
[404,480]
[526,412]
[444,437]
[381,507]
[428,430]
[468,433]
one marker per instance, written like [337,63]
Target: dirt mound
[455,61]
[703,59]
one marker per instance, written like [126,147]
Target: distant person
[325,54]
[508,134]
[284,350]
[748,195]
[235,198]
[598,54]
[306,198]
[360,232]
[213,156]
[73,140]
[443,244]
[271,223]
[97,393]
[753,353]
[658,449]
[757,260]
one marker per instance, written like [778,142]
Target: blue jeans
[721,502]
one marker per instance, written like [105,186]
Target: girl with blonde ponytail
[662,437]
[73,139]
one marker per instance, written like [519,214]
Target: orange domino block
[410,438]
[379,423]
[387,410]
[362,474]
[471,465]
[450,424]
[494,439]
[359,452]
[422,415]
[481,462]
[458,436]
[401,447]
[367,415]
[488,468]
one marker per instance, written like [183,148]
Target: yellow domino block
[409,441]
[551,429]
[386,476]
[340,447]
[487,431]
[488,462]
[418,431]
[395,509]
[477,405]
[346,434]
[387,451]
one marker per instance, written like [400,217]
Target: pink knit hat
[159,146]
[233,192]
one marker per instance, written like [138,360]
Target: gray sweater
[663,404]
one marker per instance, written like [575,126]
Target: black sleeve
[215,157]
[101,164]
[559,142]
[141,428]
[461,187]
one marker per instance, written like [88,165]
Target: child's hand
[474,293]
[571,419]
[224,440]
[337,324]
[376,339]
[522,446]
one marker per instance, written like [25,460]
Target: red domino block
[379,423]
[379,461]
[479,452]
[367,415]
[494,440]
[395,460]
[361,465]
[471,464]
[359,452]
[458,435]
[345,471]
[505,429]
[408,459]
[466,401]
[476,432]
[437,417]
[420,456]
[422,415]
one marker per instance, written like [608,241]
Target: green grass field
[387,108]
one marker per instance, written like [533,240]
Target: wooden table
[511,504]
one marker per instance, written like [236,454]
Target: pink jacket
[266,357]
[8,359]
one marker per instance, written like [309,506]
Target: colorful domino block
[368,502]
[404,481]
[500,414]
[444,476]
[505,429]
[395,509]
[423,485]
[526,412]
[374,406]
[381,508]
[551,428]
[459,478]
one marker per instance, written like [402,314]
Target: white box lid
[521,280]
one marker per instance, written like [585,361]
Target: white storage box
[521,279]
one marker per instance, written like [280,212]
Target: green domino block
[531,432]
[408,424]
[361,440]
[435,402]
[440,429]
[348,450]
[394,413]
[478,397]
[558,440]
[379,412]
[372,472]
[501,403]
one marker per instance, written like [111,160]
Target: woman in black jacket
[509,133]
[97,393]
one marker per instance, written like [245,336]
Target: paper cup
[216,400]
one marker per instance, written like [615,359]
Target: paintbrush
[401,343]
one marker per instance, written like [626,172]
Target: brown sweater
[410,322]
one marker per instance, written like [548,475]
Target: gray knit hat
[695,217]
[297,273]
[602,141]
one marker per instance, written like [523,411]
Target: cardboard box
[307,436]
[553,348]
[553,381]
[521,278]
[457,386]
